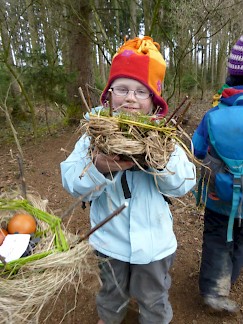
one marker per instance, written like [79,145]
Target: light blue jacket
[142,232]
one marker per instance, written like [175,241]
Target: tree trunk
[221,62]
[133,24]
[48,33]
[80,52]
[34,39]
[147,16]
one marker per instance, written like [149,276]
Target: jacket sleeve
[75,179]
[179,176]
[200,138]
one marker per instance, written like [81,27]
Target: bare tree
[80,48]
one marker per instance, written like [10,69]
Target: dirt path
[43,175]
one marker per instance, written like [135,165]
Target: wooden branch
[110,102]
[83,98]
[22,178]
[180,118]
[8,117]
[88,94]
[30,105]
[176,110]
[107,219]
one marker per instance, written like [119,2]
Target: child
[139,244]
[221,259]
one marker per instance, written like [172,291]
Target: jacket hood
[229,95]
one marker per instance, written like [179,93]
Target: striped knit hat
[235,62]
[140,59]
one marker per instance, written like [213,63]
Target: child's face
[139,101]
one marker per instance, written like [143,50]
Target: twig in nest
[110,102]
[83,98]
[176,110]
[180,118]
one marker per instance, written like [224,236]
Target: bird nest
[143,139]
[58,259]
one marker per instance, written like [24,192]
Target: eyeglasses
[123,92]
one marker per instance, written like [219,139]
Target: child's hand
[109,163]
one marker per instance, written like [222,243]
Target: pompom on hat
[140,59]
[235,62]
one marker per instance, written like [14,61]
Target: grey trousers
[221,261]
[147,283]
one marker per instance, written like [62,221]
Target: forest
[50,49]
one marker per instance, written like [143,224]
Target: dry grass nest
[58,260]
[143,139]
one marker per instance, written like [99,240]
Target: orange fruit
[22,224]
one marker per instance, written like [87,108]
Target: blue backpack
[225,128]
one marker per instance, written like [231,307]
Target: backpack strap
[126,190]
[236,205]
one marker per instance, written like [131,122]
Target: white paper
[14,246]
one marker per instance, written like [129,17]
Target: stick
[110,102]
[22,178]
[83,98]
[80,199]
[87,89]
[176,110]
[107,219]
[180,118]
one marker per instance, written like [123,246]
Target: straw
[141,138]
[58,260]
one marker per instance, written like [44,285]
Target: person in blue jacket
[139,244]
[221,260]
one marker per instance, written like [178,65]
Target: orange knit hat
[140,59]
